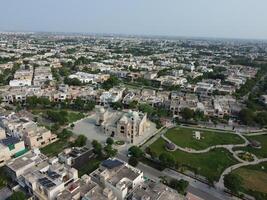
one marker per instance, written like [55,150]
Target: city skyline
[208,19]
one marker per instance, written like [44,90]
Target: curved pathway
[256,134]
[226,146]
[220,183]
[229,147]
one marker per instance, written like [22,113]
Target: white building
[89,78]
[118,176]
[113,95]
[126,126]
[42,178]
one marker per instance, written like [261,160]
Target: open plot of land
[260,153]
[71,116]
[254,178]
[183,137]
[55,148]
[89,167]
[210,164]
[74,116]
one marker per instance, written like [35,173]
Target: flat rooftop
[25,160]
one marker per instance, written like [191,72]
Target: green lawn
[89,167]
[183,137]
[55,148]
[254,180]
[210,164]
[71,117]
[74,116]
[260,153]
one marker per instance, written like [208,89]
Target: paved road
[197,188]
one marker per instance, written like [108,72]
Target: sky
[189,18]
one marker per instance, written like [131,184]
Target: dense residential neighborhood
[104,117]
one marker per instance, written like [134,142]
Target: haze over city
[205,18]
[133,100]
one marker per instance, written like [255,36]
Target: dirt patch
[254,180]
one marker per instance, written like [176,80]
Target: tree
[261,118]
[117,105]
[65,134]
[110,141]
[80,141]
[73,81]
[167,159]
[32,101]
[180,185]
[187,113]
[151,152]
[146,108]
[17,196]
[233,182]
[133,104]
[97,148]
[110,152]
[110,83]
[199,115]
[136,152]
[246,116]
[133,161]
[58,117]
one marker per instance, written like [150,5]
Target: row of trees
[42,102]
[188,114]
[73,81]
[249,117]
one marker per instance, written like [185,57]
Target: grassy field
[71,117]
[254,180]
[183,137]
[260,153]
[210,164]
[89,167]
[55,148]
[74,116]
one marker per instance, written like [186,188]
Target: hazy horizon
[237,19]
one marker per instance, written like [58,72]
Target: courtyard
[88,128]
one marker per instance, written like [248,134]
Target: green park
[209,165]
[184,137]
